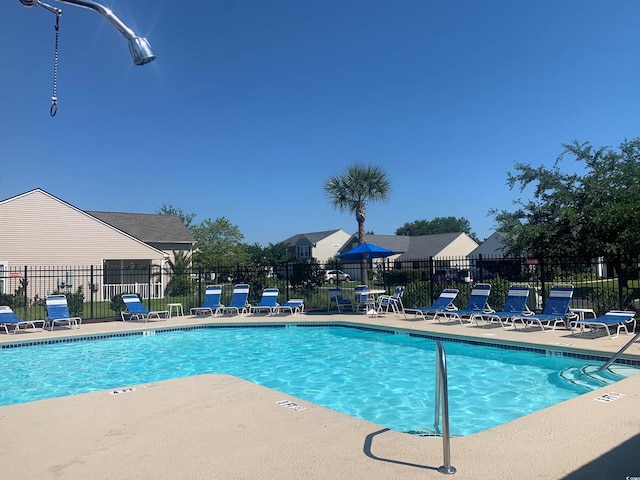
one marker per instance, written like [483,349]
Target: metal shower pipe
[139,47]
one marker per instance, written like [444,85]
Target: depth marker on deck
[127,390]
[609,397]
[291,406]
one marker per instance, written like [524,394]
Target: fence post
[385,276]
[288,277]
[431,276]
[543,280]
[26,282]
[623,275]
[91,283]
[199,283]
[149,286]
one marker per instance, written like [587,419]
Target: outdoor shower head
[138,46]
[141,51]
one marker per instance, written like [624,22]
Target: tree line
[591,214]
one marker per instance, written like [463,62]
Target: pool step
[624,371]
[590,377]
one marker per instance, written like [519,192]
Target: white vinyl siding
[329,246]
[460,247]
[39,229]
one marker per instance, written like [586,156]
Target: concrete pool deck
[217,426]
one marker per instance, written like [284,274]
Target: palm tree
[180,281]
[351,191]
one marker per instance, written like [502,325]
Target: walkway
[216,426]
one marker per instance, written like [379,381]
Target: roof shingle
[148,227]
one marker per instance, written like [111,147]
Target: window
[304,251]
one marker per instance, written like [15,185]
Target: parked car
[331,276]
[454,275]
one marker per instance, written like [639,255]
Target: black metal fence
[94,292]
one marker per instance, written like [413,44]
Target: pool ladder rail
[442,404]
[620,352]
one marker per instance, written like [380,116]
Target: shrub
[117,304]
[8,300]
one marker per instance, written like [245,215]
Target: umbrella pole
[364,270]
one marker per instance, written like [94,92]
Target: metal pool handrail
[620,352]
[442,400]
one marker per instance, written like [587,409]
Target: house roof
[494,245]
[397,243]
[313,237]
[148,227]
[417,246]
[429,245]
[39,191]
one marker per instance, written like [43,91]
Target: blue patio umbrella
[365,251]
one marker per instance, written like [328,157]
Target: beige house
[88,249]
[319,245]
[492,247]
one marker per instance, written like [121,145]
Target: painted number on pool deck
[609,397]
[291,406]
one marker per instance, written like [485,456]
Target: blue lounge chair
[443,303]
[58,312]
[295,305]
[335,297]
[477,305]
[137,311]
[9,319]
[239,303]
[211,304]
[556,310]
[514,305]
[268,302]
[615,318]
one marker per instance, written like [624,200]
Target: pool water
[384,378]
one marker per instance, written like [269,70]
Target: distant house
[406,247]
[493,246]
[490,256]
[38,229]
[490,259]
[319,245]
[450,249]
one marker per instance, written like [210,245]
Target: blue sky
[253,104]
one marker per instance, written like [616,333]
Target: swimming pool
[381,377]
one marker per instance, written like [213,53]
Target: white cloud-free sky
[251,105]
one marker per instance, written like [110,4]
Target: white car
[331,276]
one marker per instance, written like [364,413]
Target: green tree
[218,242]
[306,277]
[588,215]
[272,254]
[168,209]
[351,191]
[437,225]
